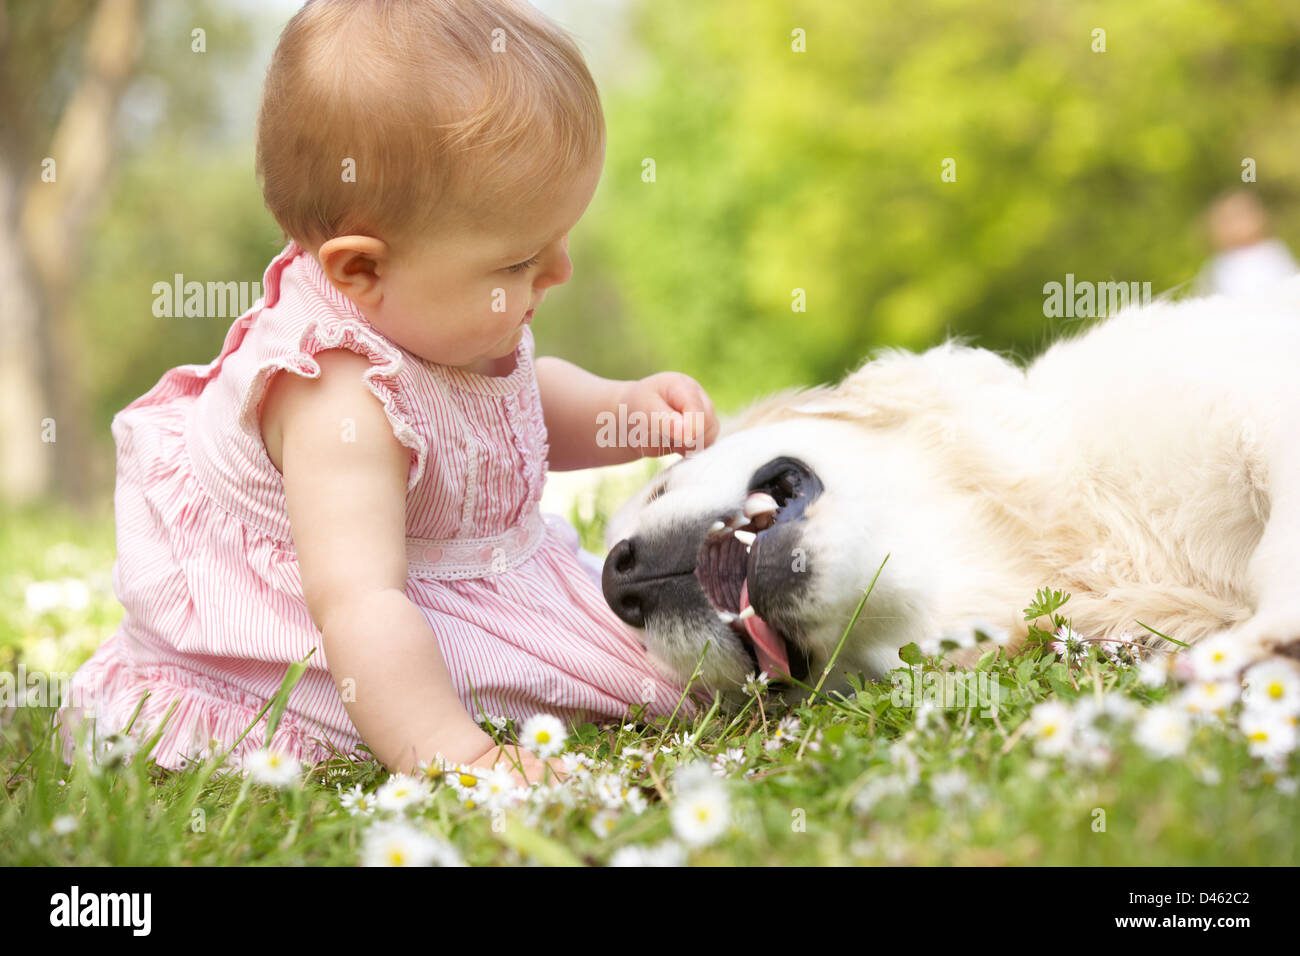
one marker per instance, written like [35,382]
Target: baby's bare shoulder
[336,405]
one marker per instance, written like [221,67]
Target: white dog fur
[1148,465]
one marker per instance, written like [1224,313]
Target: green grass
[861,781]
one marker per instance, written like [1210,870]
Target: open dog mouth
[727,560]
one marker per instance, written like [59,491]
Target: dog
[1148,465]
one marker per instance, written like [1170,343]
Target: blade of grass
[839,647]
[1165,636]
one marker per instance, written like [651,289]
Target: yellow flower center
[468,779]
[1259,736]
[1275,690]
[396,857]
[543,736]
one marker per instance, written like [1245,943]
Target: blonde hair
[440,107]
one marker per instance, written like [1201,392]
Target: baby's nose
[558,270]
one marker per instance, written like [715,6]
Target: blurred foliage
[778,170]
[820,170]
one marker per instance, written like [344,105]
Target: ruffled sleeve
[303,317]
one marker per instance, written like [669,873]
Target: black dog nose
[626,595]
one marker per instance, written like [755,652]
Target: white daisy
[402,791]
[668,853]
[1216,658]
[497,788]
[1069,643]
[543,795]
[1153,671]
[397,843]
[465,781]
[1120,649]
[544,735]
[494,721]
[1210,698]
[728,762]
[1269,735]
[1051,726]
[634,760]
[604,823]
[1109,649]
[701,813]
[272,767]
[577,765]
[63,825]
[355,801]
[1164,731]
[1273,684]
[609,790]
[1110,708]
[115,750]
[635,801]
[683,741]
[434,769]
[756,684]
[782,734]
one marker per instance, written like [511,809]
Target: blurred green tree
[103,88]
[821,170]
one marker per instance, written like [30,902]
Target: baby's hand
[518,759]
[679,400]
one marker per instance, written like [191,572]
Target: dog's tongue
[768,646]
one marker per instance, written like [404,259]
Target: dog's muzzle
[736,566]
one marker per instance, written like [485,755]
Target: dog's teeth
[747,613]
[726,617]
[717,526]
[738,520]
[746,538]
[760,503]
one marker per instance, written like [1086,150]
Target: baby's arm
[347,507]
[675,409]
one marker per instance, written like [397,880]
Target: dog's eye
[659,489]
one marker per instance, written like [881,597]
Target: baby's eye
[521,266]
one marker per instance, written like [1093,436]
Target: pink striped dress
[207,573]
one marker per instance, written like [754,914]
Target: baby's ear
[353,265]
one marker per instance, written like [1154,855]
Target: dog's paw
[1270,631]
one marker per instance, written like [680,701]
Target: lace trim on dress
[446,559]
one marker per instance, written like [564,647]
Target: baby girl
[358,472]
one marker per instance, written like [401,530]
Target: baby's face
[463,298]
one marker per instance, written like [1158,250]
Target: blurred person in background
[1248,256]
